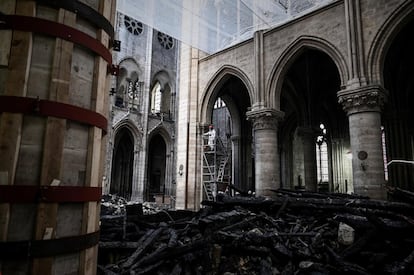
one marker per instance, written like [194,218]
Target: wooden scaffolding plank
[11,124]
[100,93]
[54,140]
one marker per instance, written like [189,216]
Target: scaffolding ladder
[216,163]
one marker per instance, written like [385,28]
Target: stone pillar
[363,107]
[267,164]
[309,157]
[235,161]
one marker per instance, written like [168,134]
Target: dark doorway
[122,164]
[156,168]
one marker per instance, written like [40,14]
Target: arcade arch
[229,87]
[159,184]
[397,72]
[122,164]
[308,97]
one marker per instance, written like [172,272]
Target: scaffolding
[216,168]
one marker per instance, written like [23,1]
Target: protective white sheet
[211,25]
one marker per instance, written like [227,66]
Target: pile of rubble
[293,233]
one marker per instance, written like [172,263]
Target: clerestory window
[156,96]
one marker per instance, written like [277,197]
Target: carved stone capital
[363,99]
[265,118]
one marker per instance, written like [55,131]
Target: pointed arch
[162,93]
[214,85]
[159,184]
[160,130]
[384,38]
[127,84]
[162,77]
[122,163]
[274,84]
[130,125]
[156,98]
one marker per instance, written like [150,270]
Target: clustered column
[265,122]
[363,106]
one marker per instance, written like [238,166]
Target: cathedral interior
[115,98]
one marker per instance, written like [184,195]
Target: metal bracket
[113,69]
[116,45]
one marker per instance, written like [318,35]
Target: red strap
[51,194]
[39,25]
[27,105]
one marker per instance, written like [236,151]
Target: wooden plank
[54,139]
[94,172]
[7,7]
[11,124]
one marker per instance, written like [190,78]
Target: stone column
[267,165]
[309,157]
[235,161]
[363,106]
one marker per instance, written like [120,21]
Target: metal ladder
[209,171]
[215,164]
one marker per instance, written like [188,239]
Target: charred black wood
[145,241]
[118,245]
[297,232]
[344,266]
[359,244]
[405,266]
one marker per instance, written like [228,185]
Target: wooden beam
[11,124]
[96,156]
[54,139]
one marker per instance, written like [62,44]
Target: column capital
[362,99]
[265,118]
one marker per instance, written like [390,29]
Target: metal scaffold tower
[216,167]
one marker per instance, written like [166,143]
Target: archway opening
[229,105]
[314,137]
[398,114]
[122,164]
[156,188]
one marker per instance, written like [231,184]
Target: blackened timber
[359,244]
[253,234]
[345,266]
[314,203]
[145,241]
[118,245]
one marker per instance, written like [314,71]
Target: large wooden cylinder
[54,85]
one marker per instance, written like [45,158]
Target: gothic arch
[383,39]
[130,73]
[122,166]
[213,87]
[159,183]
[130,125]
[160,130]
[166,93]
[131,67]
[163,78]
[233,86]
[274,85]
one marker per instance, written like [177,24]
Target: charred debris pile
[294,233]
